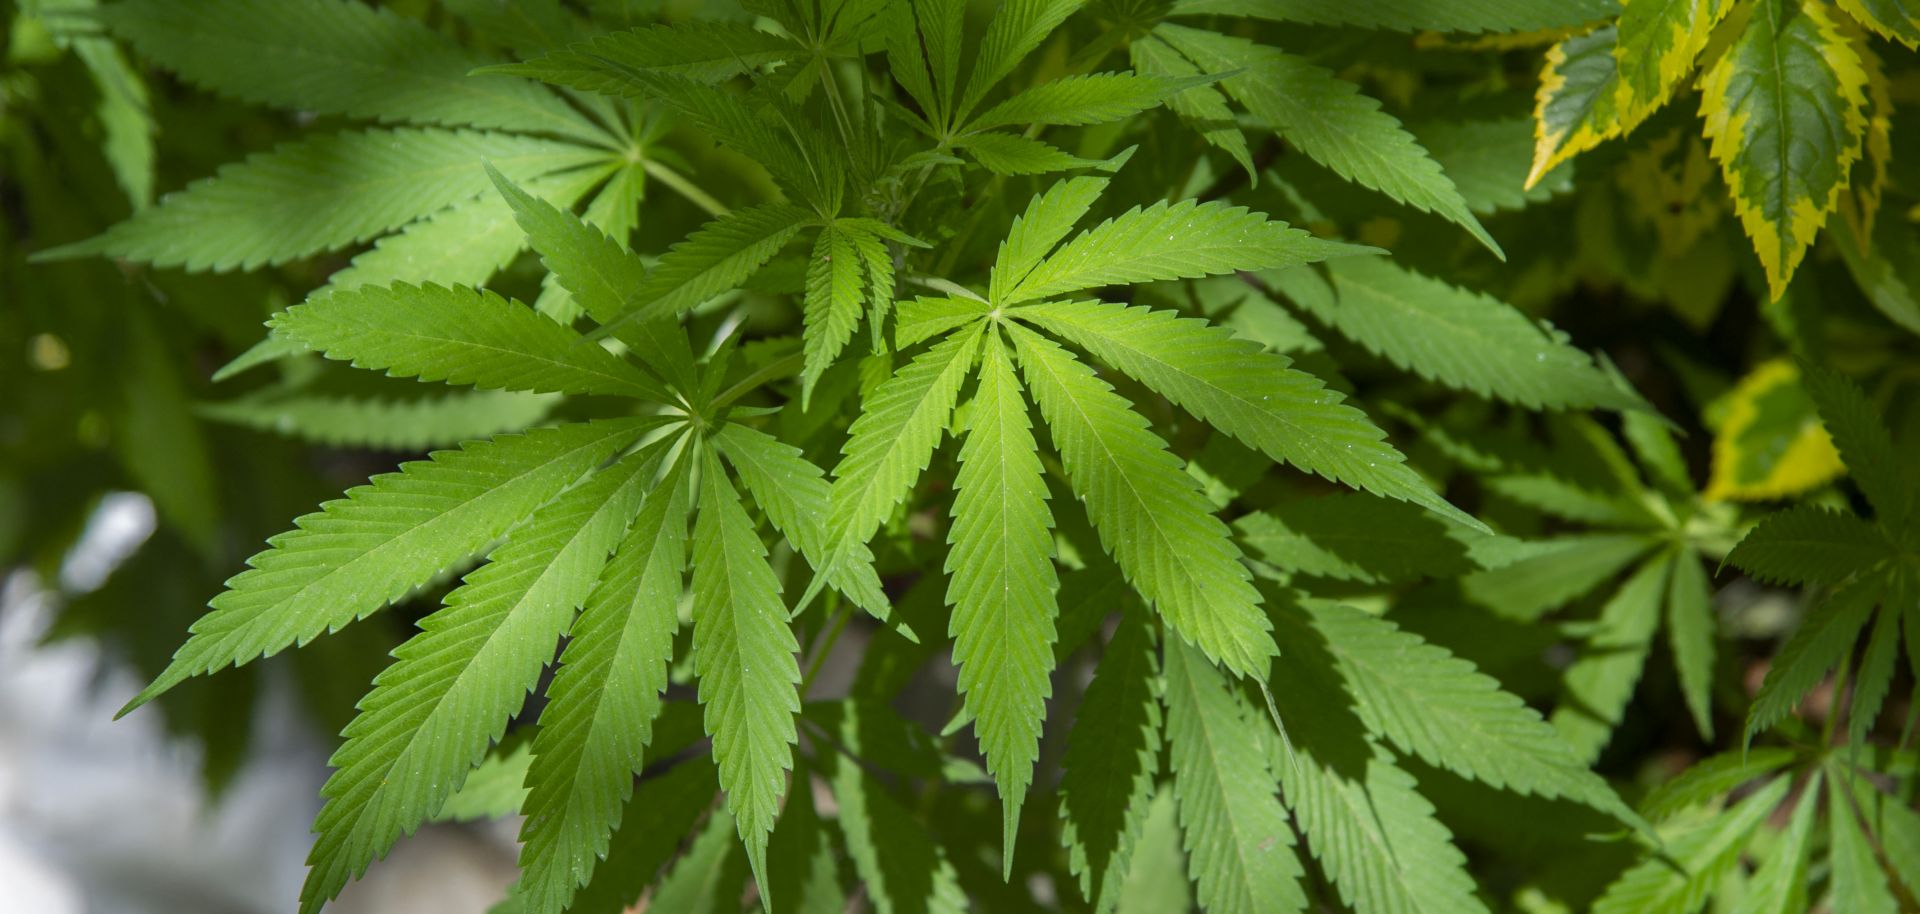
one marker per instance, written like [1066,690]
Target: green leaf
[1690,631]
[794,495]
[1077,101]
[831,310]
[1183,240]
[707,879]
[1240,848]
[1790,82]
[603,700]
[460,336]
[1203,108]
[1017,28]
[1695,860]
[1112,757]
[359,553]
[1150,516]
[894,855]
[1859,882]
[1488,161]
[703,51]
[890,442]
[1897,826]
[1047,219]
[717,258]
[1864,443]
[1553,573]
[1712,778]
[1243,390]
[1434,705]
[1465,340]
[1567,500]
[1779,885]
[672,805]
[1809,544]
[1002,583]
[1012,154]
[319,194]
[380,424]
[1656,48]
[1355,537]
[335,57]
[1598,685]
[1576,107]
[1898,20]
[1331,121]
[1413,15]
[1826,635]
[452,688]
[1157,876]
[1377,838]
[495,789]
[743,654]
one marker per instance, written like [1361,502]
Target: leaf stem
[686,188]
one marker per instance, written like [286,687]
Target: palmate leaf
[320,194]
[1864,444]
[1823,638]
[1330,120]
[1790,85]
[717,258]
[673,804]
[1150,516]
[1779,885]
[1896,19]
[382,424]
[1427,702]
[1184,240]
[335,57]
[1076,101]
[744,655]
[1203,108]
[1240,848]
[359,553]
[1047,219]
[1017,28]
[796,498]
[603,700]
[1711,779]
[1355,537]
[1414,15]
[1859,881]
[1695,862]
[831,309]
[452,688]
[1809,544]
[704,51]
[890,442]
[899,864]
[1464,339]
[1012,154]
[1242,390]
[1002,583]
[460,336]
[1597,687]
[1690,629]
[1112,757]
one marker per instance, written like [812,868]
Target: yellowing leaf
[1896,19]
[1772,444]
[1576,106]
[1785,110]
[1658,42]
[1861,203]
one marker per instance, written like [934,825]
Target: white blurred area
[111,817]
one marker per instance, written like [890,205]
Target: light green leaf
[495,789]
[1331,121]
[1712,778]
[1859,882]
[460,336]
[1112,757]
[452,688]
[603,699]
[335,57]
[1690,631]
[1012,154]
[1597,687]
[1076,101]
[707,879]
[1243,390]
[717,258]
[1465,340]
[1695,860]
[1001,583]
[1047,220]
[320,194]
[1017,28]
[1157,876]
[359,553]
[381,424]
[743,655]
[893,438]
[1184,240]
[1554,572]
[835,281]
[1791,84]
[1240,848]
[1150,516]
[1779,885]
[1203,108]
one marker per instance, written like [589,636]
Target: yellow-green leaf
[1785,109]
[1658,42]
[1771,444]
[1896,19]
[1576,106]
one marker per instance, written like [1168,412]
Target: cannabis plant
[1285,554]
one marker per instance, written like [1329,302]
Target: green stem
[686,188]
[778,369]
[839,624]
